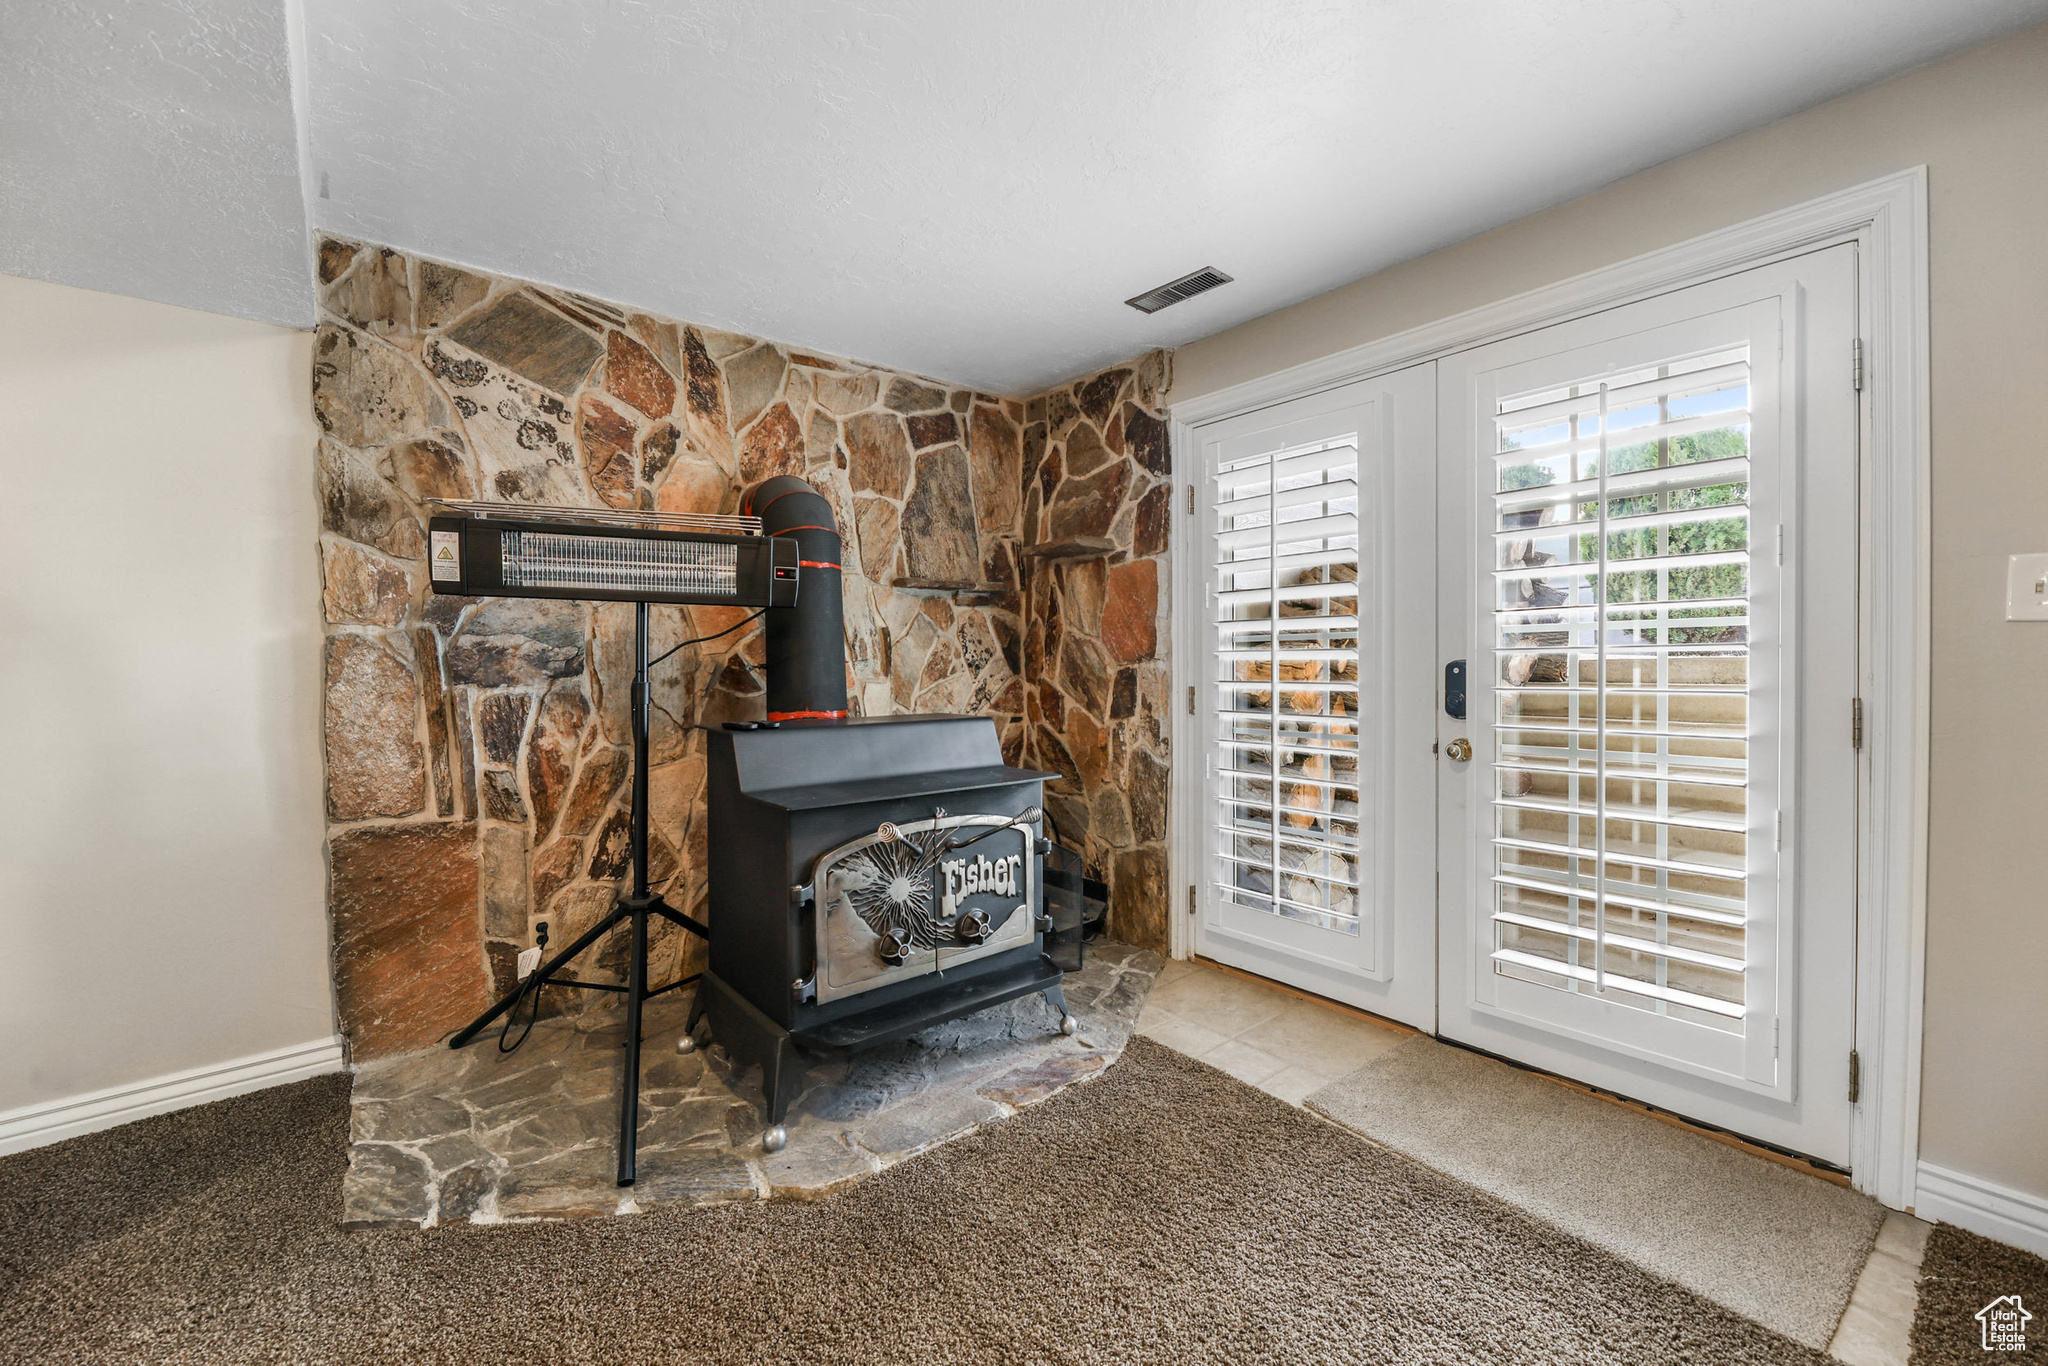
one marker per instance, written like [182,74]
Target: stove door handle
[1024,817]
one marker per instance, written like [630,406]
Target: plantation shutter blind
[1286,747]
[1620,686]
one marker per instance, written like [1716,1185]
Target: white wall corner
[302,131]
[1983,1207]
[32,1126]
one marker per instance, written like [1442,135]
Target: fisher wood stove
[869,877]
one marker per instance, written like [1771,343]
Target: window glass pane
[1620,686]
[1286,737]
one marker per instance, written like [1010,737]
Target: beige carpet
[1768,1242]
[1165,1213]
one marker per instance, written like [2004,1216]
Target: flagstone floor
[478,1135]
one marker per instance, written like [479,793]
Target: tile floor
[1879,1321]
[1268,1037]
[1260,1034]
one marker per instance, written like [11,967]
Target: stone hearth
[442,1136]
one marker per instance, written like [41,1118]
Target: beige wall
[162,889]
[1979,123]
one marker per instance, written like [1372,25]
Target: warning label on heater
[447,556]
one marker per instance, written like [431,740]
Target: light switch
[2026,588]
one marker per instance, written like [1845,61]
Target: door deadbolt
[1458,750]
[1454,690]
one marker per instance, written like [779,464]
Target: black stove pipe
[807,642]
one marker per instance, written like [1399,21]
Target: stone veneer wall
[1096,658]
[477,750]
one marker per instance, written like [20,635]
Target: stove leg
[749,1037]
[1058,1000]
[782,1080]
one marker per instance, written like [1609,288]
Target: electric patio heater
[506,550]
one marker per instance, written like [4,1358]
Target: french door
[1627,853]
[1317,820]
[1647,813]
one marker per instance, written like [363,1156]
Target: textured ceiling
[949,186]
[970,190]
[148,148]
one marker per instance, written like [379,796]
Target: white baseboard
[1970,1202]
[34,1125]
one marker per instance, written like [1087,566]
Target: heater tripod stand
[635,907]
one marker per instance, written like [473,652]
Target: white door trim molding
[1891,945]
[1983,1207]
[1184,791]
[1888,219]
[32,1126]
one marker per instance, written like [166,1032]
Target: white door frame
[1888,219]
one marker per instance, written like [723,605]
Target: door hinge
[1191,898]
[1855,1076]
[1777,1027]
[1778,832]
[1191,500]
[1856,722]
[1856,363]
[1191,699]
[1781,543]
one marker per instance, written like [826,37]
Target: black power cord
[701,639]
[531,985]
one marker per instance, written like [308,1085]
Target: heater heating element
[548,559]
[505,550]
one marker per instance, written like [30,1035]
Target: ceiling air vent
[1173,291]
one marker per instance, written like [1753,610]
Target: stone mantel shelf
[970,589]
[1073,548]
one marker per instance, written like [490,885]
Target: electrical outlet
[2026,588]
[529,959]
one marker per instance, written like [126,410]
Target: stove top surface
[855,791]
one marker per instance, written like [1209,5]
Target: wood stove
[869,877]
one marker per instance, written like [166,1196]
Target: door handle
[1458,750]
[1454,690]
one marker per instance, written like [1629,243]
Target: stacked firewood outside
[1328,719]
